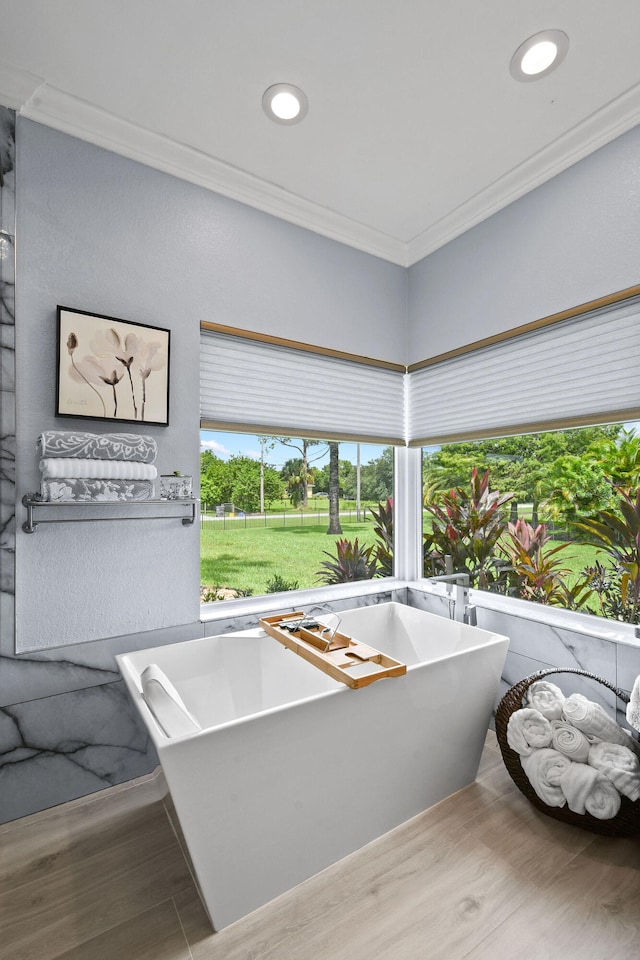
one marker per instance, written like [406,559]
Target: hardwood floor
[481,876]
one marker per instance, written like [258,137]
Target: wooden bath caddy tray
[344,658]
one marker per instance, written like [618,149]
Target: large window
[551,517]
[285,513]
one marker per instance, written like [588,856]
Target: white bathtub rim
[162,741]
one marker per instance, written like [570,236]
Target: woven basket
[627,820]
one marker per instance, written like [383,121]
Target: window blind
[264,387]
[576,372]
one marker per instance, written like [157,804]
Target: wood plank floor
[481,876]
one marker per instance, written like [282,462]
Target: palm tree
[334,491]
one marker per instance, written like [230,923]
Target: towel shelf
[32,504]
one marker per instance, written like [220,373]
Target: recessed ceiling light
[539,55]
[285,103]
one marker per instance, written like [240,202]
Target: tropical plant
[618,536]
[383,529]
[352,561]
[538,575]
[467,526]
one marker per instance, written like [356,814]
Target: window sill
[583,623]
[315,596]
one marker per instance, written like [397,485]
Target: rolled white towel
[595,722]
[545,769]
[619,764]
[588,790]
[569,740]
[60,468]
[528,730]
[166,704]
[546,698]
[633,707]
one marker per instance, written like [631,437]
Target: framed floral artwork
[110,369]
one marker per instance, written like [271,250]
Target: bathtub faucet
[458,585]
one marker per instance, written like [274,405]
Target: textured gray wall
[101,233]
[571,240]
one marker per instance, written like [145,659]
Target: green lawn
[247,558]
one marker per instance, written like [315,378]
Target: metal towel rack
[31,502]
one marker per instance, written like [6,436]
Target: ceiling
[416,129]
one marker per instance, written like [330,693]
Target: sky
[225,445]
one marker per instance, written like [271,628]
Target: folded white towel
[633,707]
[528,730]
[569,740]
[166,704]
[98,446]
[545,769]
[619,764]
[595,722]
[588,790]
[546,698]
[58,468]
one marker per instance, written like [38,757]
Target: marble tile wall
[535,645]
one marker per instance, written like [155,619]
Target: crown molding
[614,119]
[74,116]
[43,103]
[17,86]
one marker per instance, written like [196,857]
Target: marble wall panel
[61,747]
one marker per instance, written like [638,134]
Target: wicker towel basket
[626,821]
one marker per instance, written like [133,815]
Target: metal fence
[212,519]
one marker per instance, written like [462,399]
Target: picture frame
[111,369]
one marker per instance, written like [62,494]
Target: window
[270,522]
[549,517]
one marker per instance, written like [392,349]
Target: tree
[334,490]
[377,477]
[574,489]
[242,483]
[213,482]
[292,472]
[619,459]
[519,464]
[302,446]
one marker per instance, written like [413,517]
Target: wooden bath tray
[344,659]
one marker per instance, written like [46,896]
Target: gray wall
[101,233]
[572,240]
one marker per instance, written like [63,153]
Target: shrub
[278,584]
[351,562]
[383,529]
[467,526]
[618,536]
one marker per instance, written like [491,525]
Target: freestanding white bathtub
[292,770]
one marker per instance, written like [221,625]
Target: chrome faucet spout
[462,611]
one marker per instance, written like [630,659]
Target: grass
[248,558]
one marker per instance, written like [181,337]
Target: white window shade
[575,372]
[263,387]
